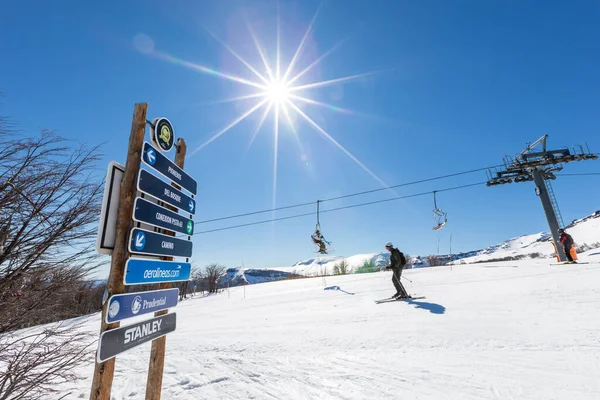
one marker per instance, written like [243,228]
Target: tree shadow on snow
[337,288]
[431,307]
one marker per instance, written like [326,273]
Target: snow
[585,233]
[508,330]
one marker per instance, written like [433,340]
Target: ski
[390,299]
[568,263]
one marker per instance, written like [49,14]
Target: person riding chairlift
[319,240]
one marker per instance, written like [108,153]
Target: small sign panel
[156,244]
[160,190]
[119,340]
[150,213]
[142,270]
[107,229]
[123,306]
[167,168]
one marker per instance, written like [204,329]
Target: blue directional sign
[123,306]
[150,213]
[166,167]
[159,189]
[140,271]
[157,244]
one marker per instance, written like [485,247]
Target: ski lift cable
[318,223]
[347,195]
[338,208]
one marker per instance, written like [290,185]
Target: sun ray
[291,124]
[232,99]
[338,145]
[262,120]
[276,140]
[301,45]
[288,117]
[236,55]
[231,125]
[318,103]
[334,81]
[344,110]
[318,60]
[259,48]
[202,68]
[278,54]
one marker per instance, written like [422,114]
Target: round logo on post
[162,134]
[114,308]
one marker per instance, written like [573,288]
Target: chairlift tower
[540,167]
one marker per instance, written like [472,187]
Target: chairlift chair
[320,236]
[438,215]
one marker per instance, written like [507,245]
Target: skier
[397,263]
[567,242]
[318,239]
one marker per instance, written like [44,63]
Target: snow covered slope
[585,231]
[512,330]
[318,266]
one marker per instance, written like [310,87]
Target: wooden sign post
[129,240]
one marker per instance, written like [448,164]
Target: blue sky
[460,85]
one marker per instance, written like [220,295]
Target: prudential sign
[123,306]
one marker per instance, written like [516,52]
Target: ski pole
[406,278]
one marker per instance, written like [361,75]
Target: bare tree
[49,202]
[213,274]
[49,207]
[34,366]
[341,268]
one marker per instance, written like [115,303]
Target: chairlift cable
[348,195]
[338,208]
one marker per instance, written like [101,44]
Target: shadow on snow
[336,288]
[431,307]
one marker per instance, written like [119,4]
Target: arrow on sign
[151,156]
[140,240]
[191,206]
[189,227]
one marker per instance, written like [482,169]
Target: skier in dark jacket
[397,263]
[567,242]
[319,240]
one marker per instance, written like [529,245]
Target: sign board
[143,270]
[156,244]
[159,189]
[150,213]
[167,168]
[123,306]
[105,241]
[162,134]
[119,340]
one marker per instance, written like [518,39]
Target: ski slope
[585,232]
[510,330]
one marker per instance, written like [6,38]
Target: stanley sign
[124,338]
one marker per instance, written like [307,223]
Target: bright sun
[278,92]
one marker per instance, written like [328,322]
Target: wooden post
[104,372]
[157,352]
